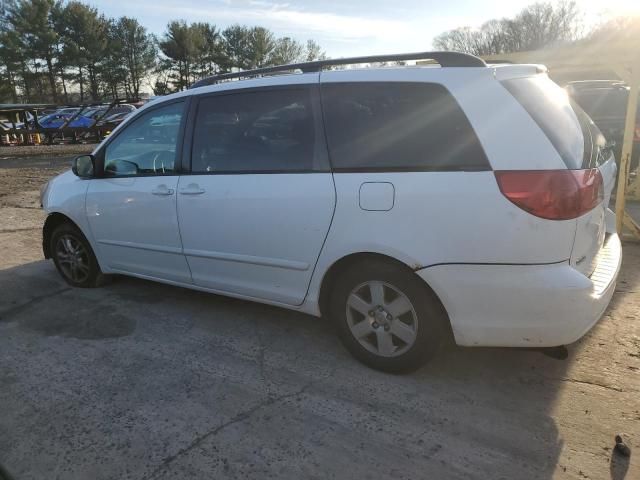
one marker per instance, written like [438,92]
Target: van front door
[132,208]
[256,209]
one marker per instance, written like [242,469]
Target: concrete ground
[138,380]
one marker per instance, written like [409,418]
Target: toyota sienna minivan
[407,204]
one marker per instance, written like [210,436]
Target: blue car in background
[56,120]
[87,118]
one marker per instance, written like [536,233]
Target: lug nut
[387,328]
[375,325]
[389,317]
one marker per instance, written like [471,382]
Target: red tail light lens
[636,133]
[552,194]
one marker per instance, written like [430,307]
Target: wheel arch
[52,221]
[352,259]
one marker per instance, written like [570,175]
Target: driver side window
[147,145]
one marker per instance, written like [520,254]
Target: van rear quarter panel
[443,217]
[452,217]
[439,218]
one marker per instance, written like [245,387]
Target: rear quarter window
[387,126]
[570,130]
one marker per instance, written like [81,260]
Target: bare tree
[536,26]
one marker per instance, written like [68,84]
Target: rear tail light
[636,133]
[552,194]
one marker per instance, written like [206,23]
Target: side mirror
[83,166]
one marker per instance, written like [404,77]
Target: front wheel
[386,317]
[74,257]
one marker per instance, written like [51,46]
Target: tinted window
[566,125]
[259,131]
[415,126]
[147,145]
[603,102]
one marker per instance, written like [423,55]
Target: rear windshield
[573,134]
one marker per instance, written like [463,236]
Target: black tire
[86,259]
[427,317]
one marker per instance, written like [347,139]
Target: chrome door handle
[162,190]
[192,189]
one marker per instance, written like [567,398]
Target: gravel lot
[145,381]
[44,151]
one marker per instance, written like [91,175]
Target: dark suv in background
[605,101]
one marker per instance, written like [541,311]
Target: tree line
[535,27]
[191,52]
[67,51]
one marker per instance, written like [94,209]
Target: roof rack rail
[445,59]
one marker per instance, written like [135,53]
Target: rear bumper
[525,305]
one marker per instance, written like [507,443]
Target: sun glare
[611,8]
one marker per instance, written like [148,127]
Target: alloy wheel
[382,318]
[72,258]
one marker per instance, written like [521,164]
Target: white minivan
[405,203]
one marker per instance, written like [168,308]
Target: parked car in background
[54,120]
[18,125]
[57,120]
[94,113]
[86,118]
[406,204]
[605,101]
[66,110]
[111,121]
[122,108]
[104,111]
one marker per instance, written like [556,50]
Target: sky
[343,28]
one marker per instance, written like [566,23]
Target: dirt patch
[28,199]
[20,247]
[25,184]
[21,217]
[31,150]
[14,218]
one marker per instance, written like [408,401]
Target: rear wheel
[74,257]
[386,317]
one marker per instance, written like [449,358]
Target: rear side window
[570,130]
[259,131]
[398,126]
